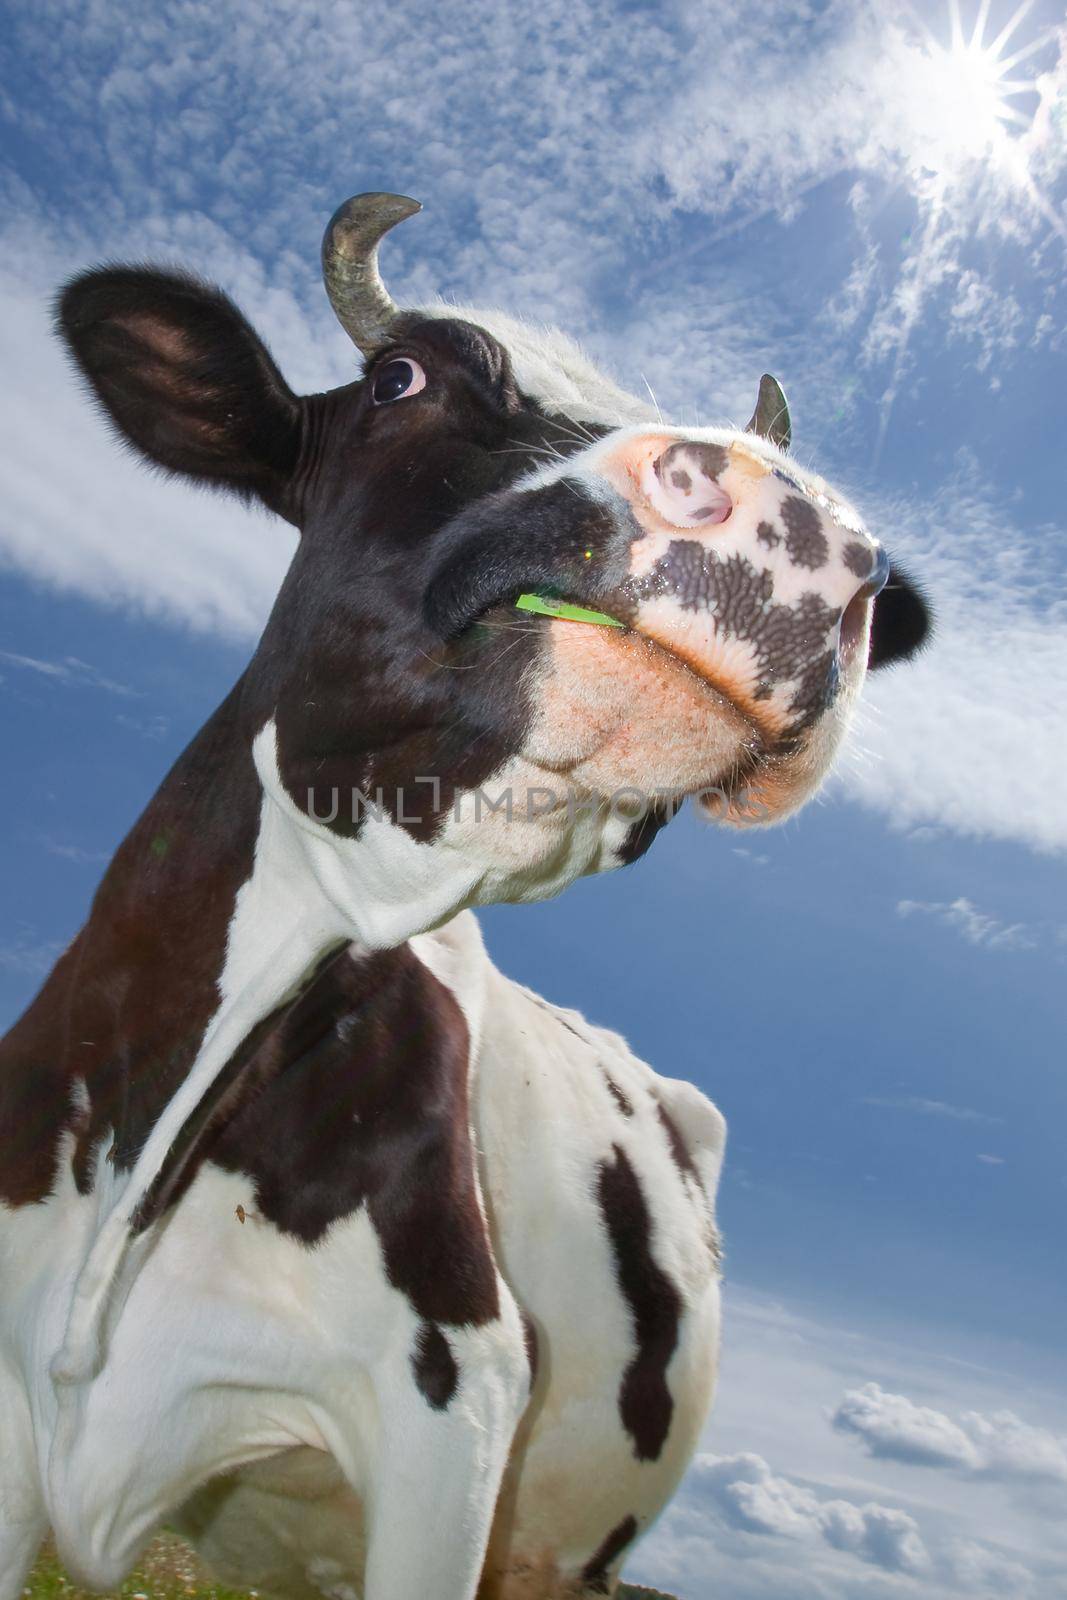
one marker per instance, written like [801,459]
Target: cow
[320,1239]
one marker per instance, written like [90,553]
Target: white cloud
[990,318]
[892,1426]
[885,110]
[69,671]
[1002,1446]
[986,1537]
[28,956]
[927,1108]
[154,728]
[750,1497]
[76,853]
[963,737]
[977,927]
[979,1570]
[882,107]
[1011,1448]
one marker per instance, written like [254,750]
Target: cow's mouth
[724,691]
[726,694]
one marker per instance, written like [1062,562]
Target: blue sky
[874,993]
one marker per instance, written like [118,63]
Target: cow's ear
[184,378]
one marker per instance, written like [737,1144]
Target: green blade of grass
[564,610]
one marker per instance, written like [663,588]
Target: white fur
[553,368]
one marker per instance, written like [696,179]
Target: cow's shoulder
[589,1053]
[561,1097]
[600,1176]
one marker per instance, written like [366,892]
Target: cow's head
[400,700]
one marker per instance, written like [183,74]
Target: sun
[972,116]
[977,102]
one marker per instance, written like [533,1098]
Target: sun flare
[981,104]
[977,110]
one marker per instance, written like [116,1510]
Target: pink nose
[683,484]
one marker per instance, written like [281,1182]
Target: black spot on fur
[532,1341]
[767,535]
[644,830]
[434,1366]
[595,1573]
[682,1157]
[710,459]
[790,641]
[617,1095]
[713,458]
[805,540]
[679,1149]
[645,1402]
[859,558]
[357,1096]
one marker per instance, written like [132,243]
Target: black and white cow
[319,1237]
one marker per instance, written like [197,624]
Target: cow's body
[262,1364]
[387,1278]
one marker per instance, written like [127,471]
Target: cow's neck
[215,908]
[375,889]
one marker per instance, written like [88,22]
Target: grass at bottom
[170,1571]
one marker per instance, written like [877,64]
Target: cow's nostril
[854,619]
[683,485]
[878,576]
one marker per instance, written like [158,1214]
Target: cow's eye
[396,381]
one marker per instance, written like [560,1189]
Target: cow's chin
[615,711]
[621,712]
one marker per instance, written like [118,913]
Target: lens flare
[973,87]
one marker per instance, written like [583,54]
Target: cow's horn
[771,416]
[364,307]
